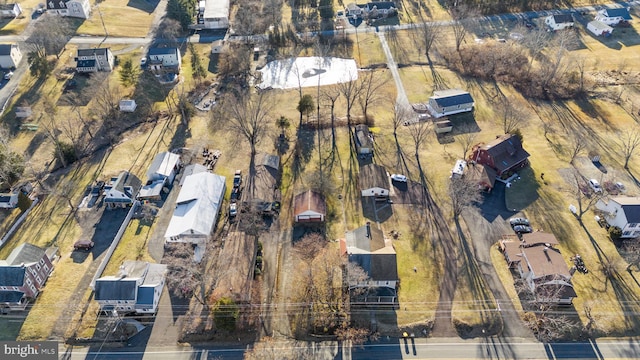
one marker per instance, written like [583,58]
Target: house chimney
[369,229]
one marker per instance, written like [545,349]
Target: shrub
[225,314]
[615,233]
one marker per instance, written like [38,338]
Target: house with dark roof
[23,274]
[71,8]
[166,59]
[449,102]
[10,10]
[363,140]
[381,9]
[559,21]
[93,60]
[10,56]
[309,207]
[482,175]
[613,16]
[374,181]
[122,190]
[623,212]
[368,248]
[541,267]
[503,155]
[136,289]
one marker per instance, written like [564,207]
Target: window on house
[29,282]
[38,279]
[38,266]
[46,268]
[632,225]
[626,233]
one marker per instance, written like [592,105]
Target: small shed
[309,207]
[127,105]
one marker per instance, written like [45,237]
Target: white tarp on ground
[306,71]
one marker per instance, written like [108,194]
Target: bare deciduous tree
[467,138]
[248,116]
[511,114]
[351,91]
[629,142]
[584,196]
[50,35]
[463,193]
[419,133]
[577,145]
[429,32]
[185,277]
[372,82]
[463,16]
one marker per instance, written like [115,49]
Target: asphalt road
[489,348]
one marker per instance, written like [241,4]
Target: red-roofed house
[309,207]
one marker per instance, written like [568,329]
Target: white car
[595,185]
[398,178]
[8,75]
[143,61]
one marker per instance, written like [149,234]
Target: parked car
[398,178]
[595,185]
[83,245]
[237,179]
[522,229]
[519,221]
[143,62]
[8,75]
[233,210]
[235,194]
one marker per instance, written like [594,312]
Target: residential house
[374,181]
[10,56]
[559,22]
[162,172]
[309,207]
[541,266]
[191,170]
[265,187]
[23,274]
[72,8]
[136,289]
[197,207]
[363,140]
[10,10]
[481,174]
[165,60]
[215,14]
[613,16]
[623,212]
[378,9]
[122,191]
[599,28]
[8,200]
[354,10]
[367,247]
[93,60]
[449,102]
[503,155]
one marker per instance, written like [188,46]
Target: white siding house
[10,10]
[10,56]
[613,16]
[623,212]
[559,22]
[122,190]
[92,60]
[373,181]
[72,8]
[449,102]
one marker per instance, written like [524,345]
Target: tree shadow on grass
[302,151]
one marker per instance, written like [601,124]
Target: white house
[128,105]
[10,56]
[164,167]
[623,212]
[92,60]
[363,140]
[72,8]
[449,102]
[197,208]
[560,21]
[374,181]
[599,28]
[354,10]
[216,14]
[165,59]
[122,190]
[8,201]
[136,289]
[613,16]
[10,10]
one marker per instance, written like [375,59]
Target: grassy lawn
[130,18]
[502,269]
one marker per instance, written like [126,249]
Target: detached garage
[309,207]
[598,28]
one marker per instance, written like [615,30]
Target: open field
[130,18]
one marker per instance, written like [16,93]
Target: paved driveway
[487,223]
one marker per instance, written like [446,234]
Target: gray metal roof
[93,52]
[451,97]
[24,254]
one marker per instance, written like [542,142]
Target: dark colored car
[519,221]
[522,229]
[235,195]
[83,245]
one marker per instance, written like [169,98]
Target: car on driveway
[83,245]
[8,75]
[233,210]
[519,221]
[595,185]
[235,195]
[398,178]
[522,229]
